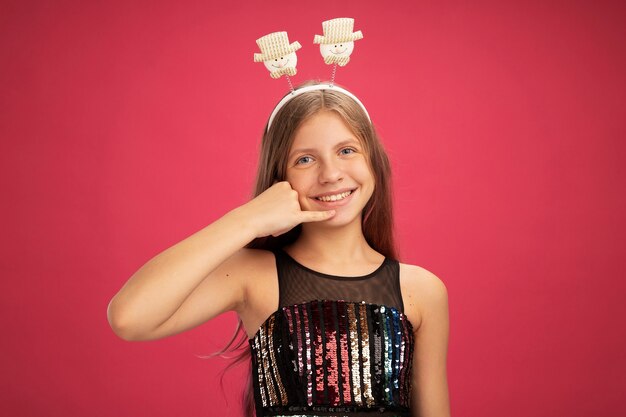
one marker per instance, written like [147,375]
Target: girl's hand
[277,210]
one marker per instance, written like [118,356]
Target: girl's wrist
[243,222]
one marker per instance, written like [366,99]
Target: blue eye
[298,161]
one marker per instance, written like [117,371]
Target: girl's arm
[429,396]
[152,304]
[207,273]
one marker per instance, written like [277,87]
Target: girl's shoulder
[422,292]
[416,276]
[260,286]
[260,261]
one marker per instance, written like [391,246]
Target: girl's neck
[333,245]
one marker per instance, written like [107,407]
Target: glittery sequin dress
[337,346]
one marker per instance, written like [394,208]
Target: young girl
[336,325]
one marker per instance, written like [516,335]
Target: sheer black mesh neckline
[337,277]
[298,283]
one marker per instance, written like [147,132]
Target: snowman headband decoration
[336,46]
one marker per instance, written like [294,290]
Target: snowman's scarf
[339,60]
[282,71]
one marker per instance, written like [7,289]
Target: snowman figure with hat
[278,55]
[337,43]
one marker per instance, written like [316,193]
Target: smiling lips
[335,199]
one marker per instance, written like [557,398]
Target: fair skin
[169,294]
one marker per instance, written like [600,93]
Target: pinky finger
[317,216]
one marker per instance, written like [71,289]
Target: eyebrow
[340,144]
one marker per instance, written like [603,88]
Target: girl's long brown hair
[377,220]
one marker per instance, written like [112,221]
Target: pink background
[127,127]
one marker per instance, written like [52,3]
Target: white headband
[315,87]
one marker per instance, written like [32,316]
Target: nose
[330,171]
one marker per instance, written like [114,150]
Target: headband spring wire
[332,77]
[290,85]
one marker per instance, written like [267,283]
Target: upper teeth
[334,197]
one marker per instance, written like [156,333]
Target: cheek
[302,197]
[365,173]
[296,184]
[305,203]
[368,181]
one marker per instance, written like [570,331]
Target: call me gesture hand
[277,210]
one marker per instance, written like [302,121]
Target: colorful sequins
[332,356]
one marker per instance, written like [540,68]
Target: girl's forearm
[154,293]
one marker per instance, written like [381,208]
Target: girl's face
[326,161]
